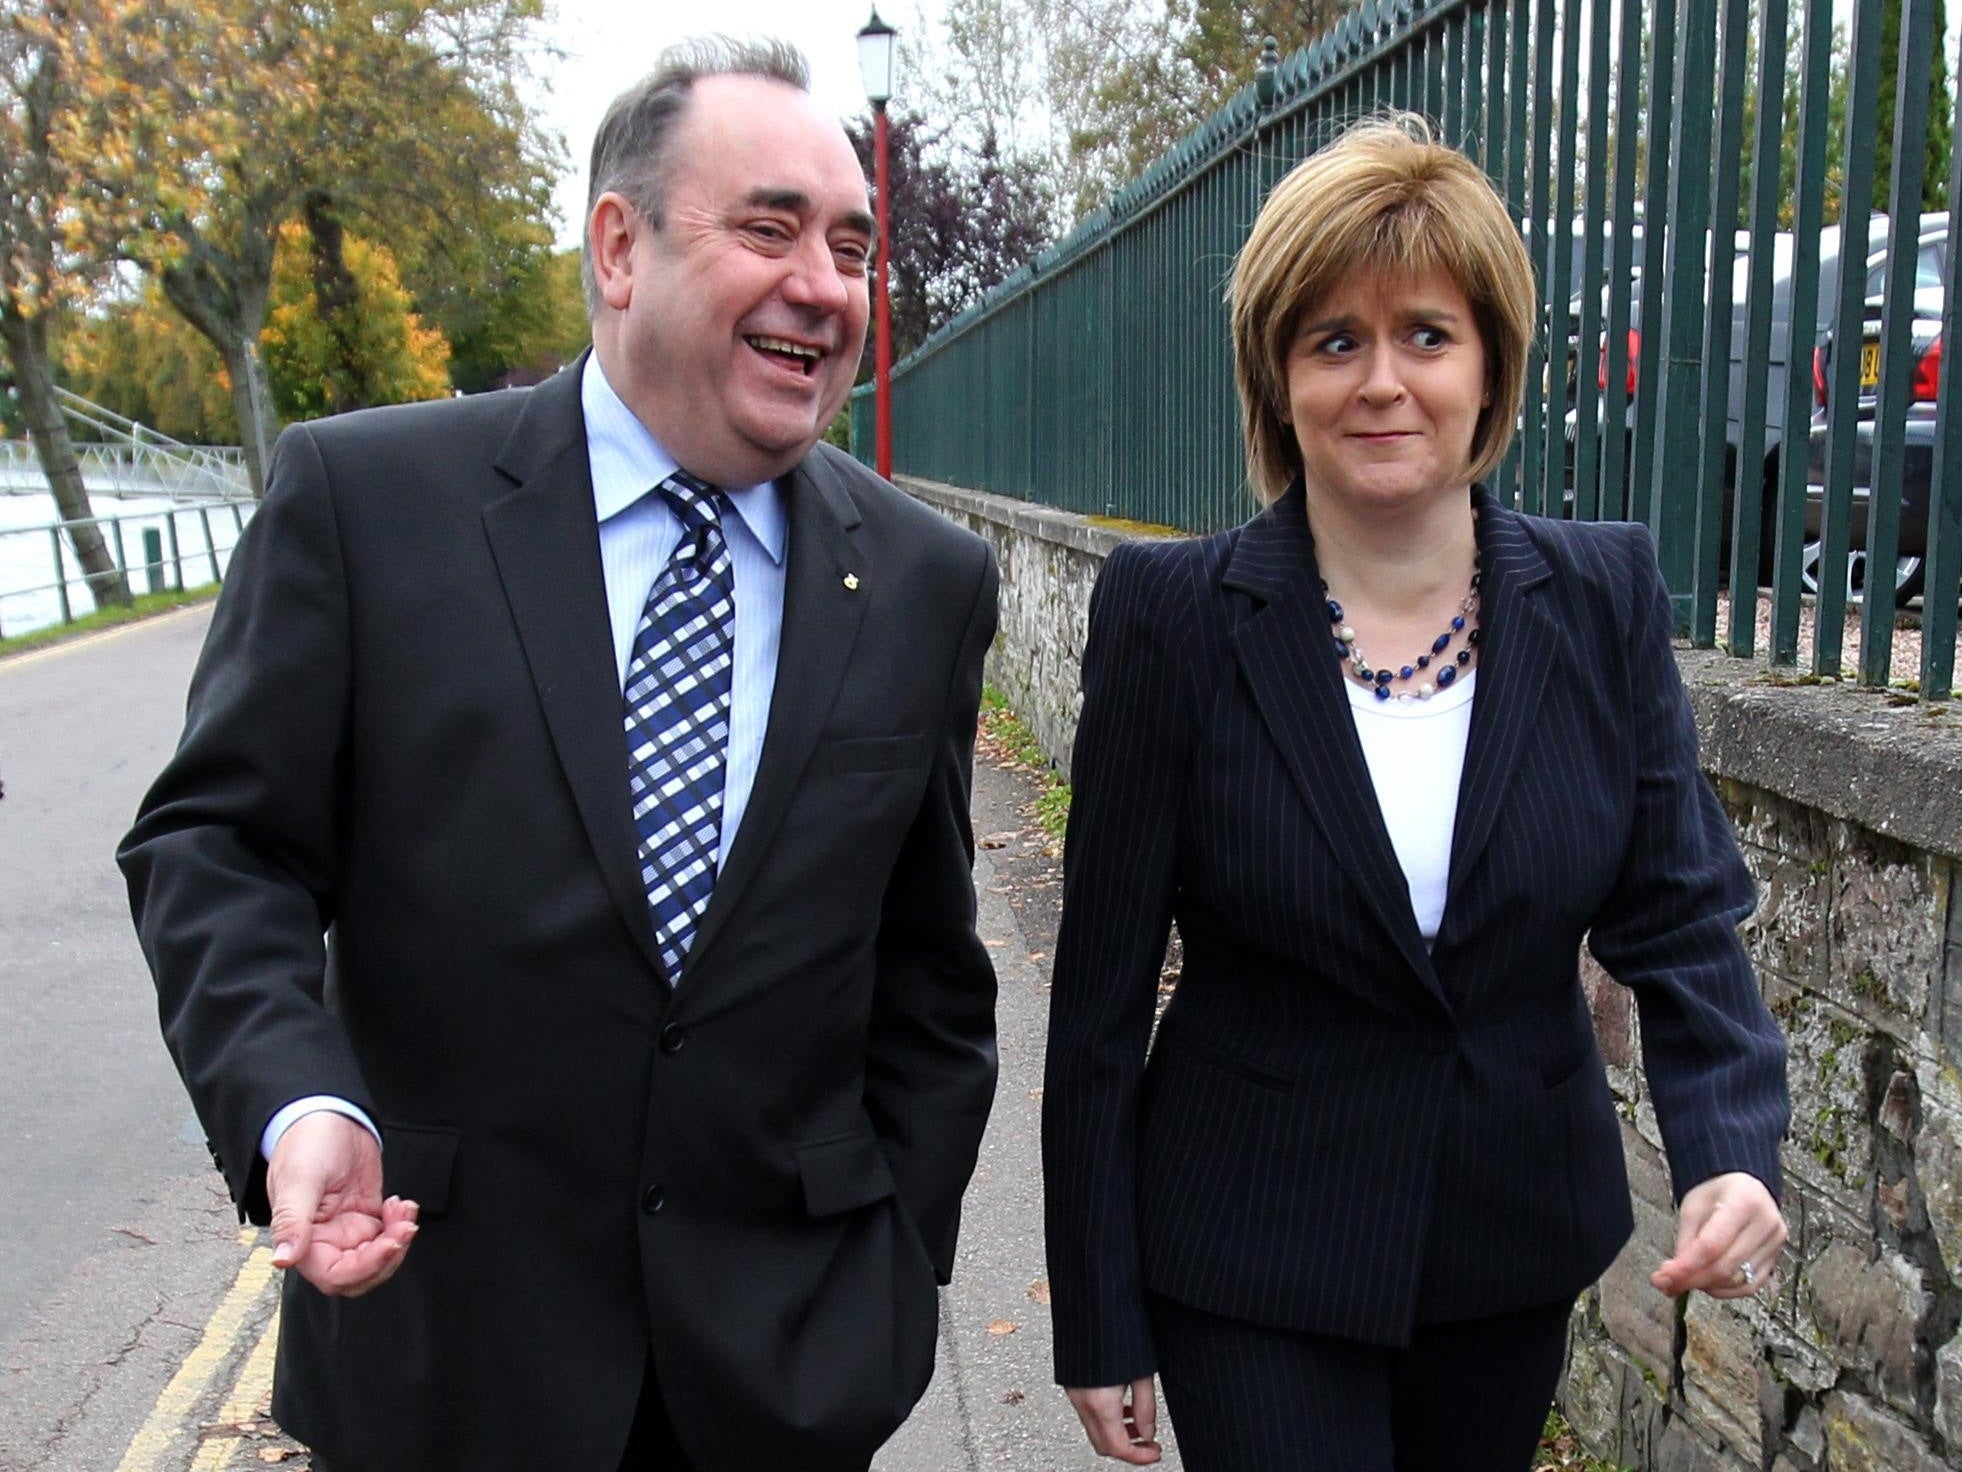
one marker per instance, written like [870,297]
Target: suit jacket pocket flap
[874,754]
[841,1174]
[417,1162]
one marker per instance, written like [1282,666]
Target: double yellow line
[224,1333]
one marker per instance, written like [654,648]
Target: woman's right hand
[1125,1430]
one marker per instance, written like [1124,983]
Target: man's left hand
[1728,1237]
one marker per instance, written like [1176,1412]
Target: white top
[1416,755]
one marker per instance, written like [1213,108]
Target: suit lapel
[544,535]
[821,617]
[1518,645]
[1286,653]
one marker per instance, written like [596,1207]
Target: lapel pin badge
[851,582]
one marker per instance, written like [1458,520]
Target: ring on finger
[1747,1274]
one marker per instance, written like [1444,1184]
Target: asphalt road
[136,1319]
[118,1241]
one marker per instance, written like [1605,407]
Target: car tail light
[1928,374]
[1634,351]
[1819,376]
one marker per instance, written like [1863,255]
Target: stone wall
[1848,805]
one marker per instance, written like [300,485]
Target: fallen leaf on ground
[1039,1290]
[1003,1326]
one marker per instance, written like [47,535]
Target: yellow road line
[254,1381]
[194,1376]
[249,1393]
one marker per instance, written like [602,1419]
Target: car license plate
[1869,364]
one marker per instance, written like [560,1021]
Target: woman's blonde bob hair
[1384,198]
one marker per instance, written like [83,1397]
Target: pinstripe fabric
[1468,1397]
[1338,1131]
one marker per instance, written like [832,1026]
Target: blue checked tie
[677,715]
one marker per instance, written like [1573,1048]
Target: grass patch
[144,606]
[1560,1450]
[1016,744]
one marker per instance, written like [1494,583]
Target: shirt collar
[628,462]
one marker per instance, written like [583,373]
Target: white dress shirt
[638,532]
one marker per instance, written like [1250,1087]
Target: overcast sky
[609,45]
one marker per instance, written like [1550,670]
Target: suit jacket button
[651,1200]
[674,1037]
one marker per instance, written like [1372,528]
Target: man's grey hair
[630,151]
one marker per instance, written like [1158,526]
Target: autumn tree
[82,84]
[371,347]
[136,355]
[399,115]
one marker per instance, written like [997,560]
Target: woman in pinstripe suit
[1387,753]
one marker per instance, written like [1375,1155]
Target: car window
[1927,270]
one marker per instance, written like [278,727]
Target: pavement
[138,1335]
[993,1403]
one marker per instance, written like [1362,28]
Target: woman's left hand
[1728,1236]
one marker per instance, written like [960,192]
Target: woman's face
[1386,379]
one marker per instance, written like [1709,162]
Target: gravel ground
[1905,658]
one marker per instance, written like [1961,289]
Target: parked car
[1787,351]
[1918,455]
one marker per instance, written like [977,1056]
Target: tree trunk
[224,298]
[336,297]
[258,425]
[26,341]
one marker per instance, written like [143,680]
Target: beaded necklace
[1379,681]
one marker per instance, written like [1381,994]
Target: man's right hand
[328,1217]
[1126,1431]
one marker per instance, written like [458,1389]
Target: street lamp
[875,57]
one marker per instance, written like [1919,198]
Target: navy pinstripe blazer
[1337,1130]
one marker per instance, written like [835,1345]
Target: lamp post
[875,56]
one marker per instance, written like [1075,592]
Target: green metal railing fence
[1098,379]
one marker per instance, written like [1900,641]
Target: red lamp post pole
[882,342]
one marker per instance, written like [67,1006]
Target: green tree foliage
[524,328]
[1941,115]
[1941,108]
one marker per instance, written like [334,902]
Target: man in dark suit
[650,1044]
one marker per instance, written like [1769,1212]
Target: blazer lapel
[821,617]
[1517,645]
[544,535]
[1286,653]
